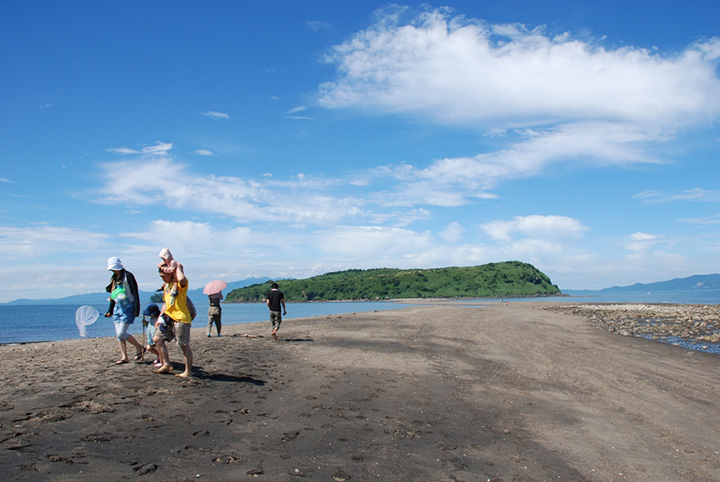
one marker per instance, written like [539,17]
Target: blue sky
[289,139]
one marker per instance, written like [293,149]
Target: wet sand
[430,393]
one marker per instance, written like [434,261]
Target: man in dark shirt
[276,300]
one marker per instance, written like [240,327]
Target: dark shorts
[166,335]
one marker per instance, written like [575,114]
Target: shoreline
[686,325]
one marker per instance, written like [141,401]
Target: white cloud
[216,115]
[549,99]
[303,199]
[297,109]
[123,150]
[46,261]
[156,149]
[291,114]
[161,148]
[182,233]
[452,233]
[694,194]
[49,261]
[640,244]
[459,71]
[709,220]
[372,242]
[44,241]
[203,152]
[536,227]
[640,236]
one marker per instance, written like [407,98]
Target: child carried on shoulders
[169,265]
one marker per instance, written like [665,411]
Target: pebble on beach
[662,322]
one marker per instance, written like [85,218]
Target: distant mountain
[508,278]
[101,297]
[692,283]
[699,282]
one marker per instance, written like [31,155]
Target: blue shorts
[124,313]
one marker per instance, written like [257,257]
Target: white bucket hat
[114,264]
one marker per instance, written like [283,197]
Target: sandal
[139,355]
[120,362]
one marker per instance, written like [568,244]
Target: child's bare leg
[162,351]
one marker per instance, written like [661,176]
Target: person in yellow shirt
[175,313]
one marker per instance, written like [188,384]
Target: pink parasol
[214,287]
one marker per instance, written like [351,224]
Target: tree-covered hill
[509,278]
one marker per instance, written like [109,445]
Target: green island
[504,279]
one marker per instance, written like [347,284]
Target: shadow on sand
[221,377]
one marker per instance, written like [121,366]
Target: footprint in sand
[341,477]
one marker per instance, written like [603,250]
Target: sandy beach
[435,392]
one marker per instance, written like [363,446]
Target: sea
[40,322]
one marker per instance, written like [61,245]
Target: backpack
[191,308]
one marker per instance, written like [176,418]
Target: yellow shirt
[178,311]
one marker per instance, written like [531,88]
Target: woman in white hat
[124,307]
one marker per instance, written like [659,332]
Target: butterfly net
[84,316]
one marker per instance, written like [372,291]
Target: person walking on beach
[214,313]
[124,307]
[164,333]
[177,313]
[152,311]
[276,300]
